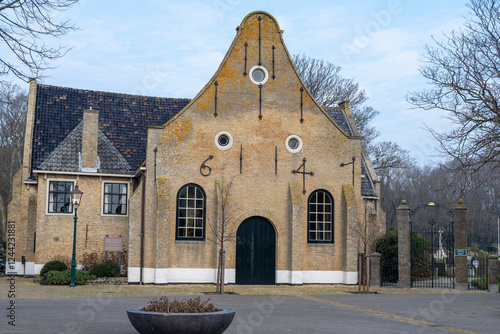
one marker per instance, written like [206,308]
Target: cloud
[172,48]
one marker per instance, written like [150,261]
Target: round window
[258,75]
[223,140]
[293,144]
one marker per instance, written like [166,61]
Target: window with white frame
[59,200]
[115,198]
[320,217]
[293,144]
[190,213]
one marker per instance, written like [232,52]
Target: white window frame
[47,213]
[291,150]
[266,75]
[228,146]
[127,184]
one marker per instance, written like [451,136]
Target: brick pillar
[297,232]
[493,273]
[375,270]
[404,245]
[461,282]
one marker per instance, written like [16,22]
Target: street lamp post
[76,196]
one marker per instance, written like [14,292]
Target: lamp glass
[76,196]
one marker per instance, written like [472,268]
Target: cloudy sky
[172,48]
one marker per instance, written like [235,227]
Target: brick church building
[156,171]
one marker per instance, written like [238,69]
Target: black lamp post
[76,197]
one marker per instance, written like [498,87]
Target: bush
[193,305]
[421,253]
[64,277]
[481,283]
[421,257]
[108,269]
[91,259]
[53,266]
[387,245]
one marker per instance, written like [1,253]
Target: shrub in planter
[108,269]
[194,305]
[53,266]
[64,277]
[191,316]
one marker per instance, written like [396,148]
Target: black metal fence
[389,271]
[432,256]
[477,272]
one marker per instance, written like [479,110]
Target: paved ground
[270,310]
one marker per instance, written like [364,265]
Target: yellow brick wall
[188,140]
[176,151]
[55,231]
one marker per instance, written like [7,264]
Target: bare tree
[325,83]
[387,156]
[221,229]
[363,117]
[329,87]
[13,107]
[367,232]
[441,185]
[464,72]
[24,27]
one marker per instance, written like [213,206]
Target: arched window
[320,217]
[190,213]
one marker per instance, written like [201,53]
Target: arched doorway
[256,252]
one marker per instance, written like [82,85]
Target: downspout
[143,213]
[155,150]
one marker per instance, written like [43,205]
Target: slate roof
[367,188]
[337,114]
[122,128]
[122,119]
[66,155]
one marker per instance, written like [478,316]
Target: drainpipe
[155,150]
[143,209]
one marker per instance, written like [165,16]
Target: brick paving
[314,309]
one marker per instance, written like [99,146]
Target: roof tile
[122,119]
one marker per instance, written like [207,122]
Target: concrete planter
[180,323]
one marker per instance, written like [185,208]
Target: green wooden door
[256,252]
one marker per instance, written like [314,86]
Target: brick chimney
[89,140]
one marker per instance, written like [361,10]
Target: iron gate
[432,255]
[389,271]
[477,273]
